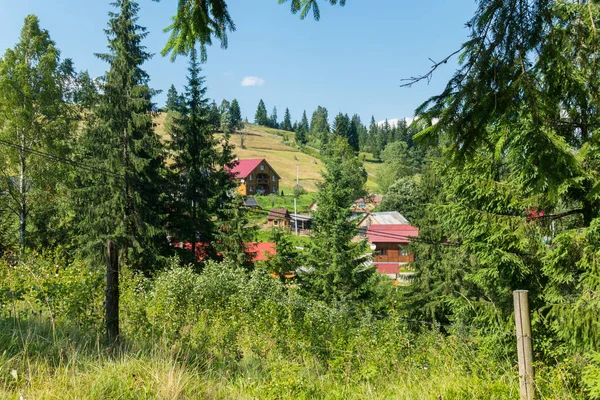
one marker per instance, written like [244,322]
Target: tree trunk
[22,195]
[112,292]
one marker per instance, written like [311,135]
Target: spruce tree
[261,117]
[273,119]
[287,121]
[236,116]
[304,122]
[173,100]
[197,169]
[319,126]
[338,271]
[125,208]
[214,117]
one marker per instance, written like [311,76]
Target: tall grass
[224,334]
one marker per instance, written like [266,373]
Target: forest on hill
[499,172]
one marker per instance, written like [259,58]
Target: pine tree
[341,125]
[261,117]
[214,117]
[338,270]
[33,115]
[319,125]
[273,119]
[287,121]
[125,207]
[236,116]
[304,122]
[197,168]
[173,100]
[374,139]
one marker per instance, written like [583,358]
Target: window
[383,252]
[403,251]
[250,177]
[275,222]
[361,205]
[274,189]
[250,188]
[262,167]
[273,178]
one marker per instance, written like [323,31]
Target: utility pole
[296,191]
[524,345]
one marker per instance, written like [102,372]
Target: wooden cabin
[255,176]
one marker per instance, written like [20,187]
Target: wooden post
[112,292]
[524,345]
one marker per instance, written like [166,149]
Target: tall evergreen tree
[261,117]
[273,119]
[338,271]
[125,209]
[214,116]
[33,115]
[287,121]
[319,124]
[197,168]
[304,122]
[374,139]
[173,100]
[236,115]
[302,130]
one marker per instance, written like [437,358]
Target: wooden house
[279,217]
[255,176]
[366,204]
[389,243]
[379,218]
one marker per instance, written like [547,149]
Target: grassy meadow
[269,143]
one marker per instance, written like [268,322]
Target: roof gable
[278,213]
[244,167]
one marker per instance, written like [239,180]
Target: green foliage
[34,114]
[398,162]
[199,181]
[337,270]
[261,117]
[202,21]
[236,116]
[173,100]
[286,125]
[405,196]
[273,119]
[128,206]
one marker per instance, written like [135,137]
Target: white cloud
[252,81]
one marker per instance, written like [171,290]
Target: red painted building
[390,247]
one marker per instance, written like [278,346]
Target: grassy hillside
[263,142]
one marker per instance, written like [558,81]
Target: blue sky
[350,61]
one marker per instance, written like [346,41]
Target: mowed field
[262,142]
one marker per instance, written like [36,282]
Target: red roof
[258,249]
[261,250]
[393,233]
[387,267]
[243,168]
[278,213]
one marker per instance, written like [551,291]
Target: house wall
[255,183]
[392,251]
[280,222]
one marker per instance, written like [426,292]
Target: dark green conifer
[261,117]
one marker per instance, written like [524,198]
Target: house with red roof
[257,251]
[389,243]
[255,176]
